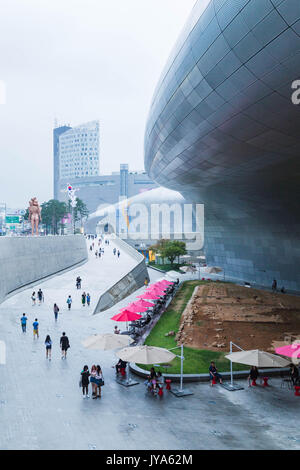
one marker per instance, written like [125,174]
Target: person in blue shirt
[23,322]
[35,325]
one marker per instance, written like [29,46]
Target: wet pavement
[41,404]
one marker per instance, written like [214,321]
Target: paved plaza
[41,404]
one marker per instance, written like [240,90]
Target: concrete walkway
[41,404]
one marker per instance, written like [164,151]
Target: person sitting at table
[116,330]
[253,375]
[120,365]
[160,380]
[151,380]
[213,372]
[294,372]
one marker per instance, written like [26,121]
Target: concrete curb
[242,374]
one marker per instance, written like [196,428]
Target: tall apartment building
[76,152]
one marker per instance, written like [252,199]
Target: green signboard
[12,219]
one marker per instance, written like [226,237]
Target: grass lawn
[196,361]
[167,267]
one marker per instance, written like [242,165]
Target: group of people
[64,346]
[116,252]
[85,298]
[95,377]
[39,295]
[64,340]
[154,381]
[99,253]
[35,325]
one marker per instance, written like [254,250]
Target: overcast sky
[78,60]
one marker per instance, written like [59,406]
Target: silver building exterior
[223,131]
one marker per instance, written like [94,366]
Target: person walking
[114,251]
[35,325]
[78,282]
[274,286]
[83,298]
[55,310]
[64,345]
[69,302]
[88,299]
[96,253]
[33,298]
[85,381]
[48,344]
[23,322]
[118,253]
[98,381]
[40,296]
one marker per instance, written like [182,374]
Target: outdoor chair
[286,381]
[168,384]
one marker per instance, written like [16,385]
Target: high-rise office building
[56,133]
[76,152]
[79,151]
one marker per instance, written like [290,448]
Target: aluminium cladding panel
[132,281]
[127,285]
[25,260]
[223,130]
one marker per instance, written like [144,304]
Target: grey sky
[78,60]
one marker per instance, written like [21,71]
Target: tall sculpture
[34,215]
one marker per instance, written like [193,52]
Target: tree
[53,212]
[173,248]
[159,247]
[79,212]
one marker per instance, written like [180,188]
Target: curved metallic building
[223,131]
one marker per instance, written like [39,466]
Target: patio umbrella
[149,296]
[106,341]
[144,303]
[257,358]
[126,315]
[188,269]
[155,290]
[134,308]
[212,269]
[145,355]
[291,350]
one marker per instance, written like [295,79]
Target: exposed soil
[254,319]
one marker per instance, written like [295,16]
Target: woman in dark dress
[85,382]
